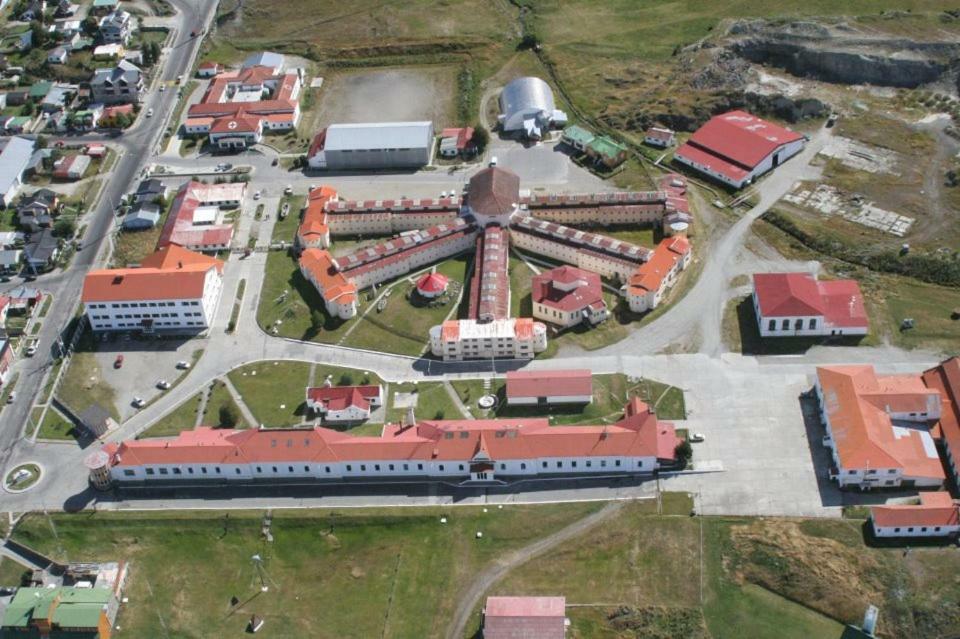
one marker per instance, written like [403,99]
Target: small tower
[409,419]
[98,464]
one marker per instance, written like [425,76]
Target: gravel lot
[391,95]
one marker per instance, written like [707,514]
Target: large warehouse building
[378,145]
[526,105]
[736,147]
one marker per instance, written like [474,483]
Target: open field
[890,298]
[610,394]
[130,247]
[184,416]
[390,95]
[433,402]
[83,384]
[275,391]
[56,426]
[385,564]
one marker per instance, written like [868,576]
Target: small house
[57,55]
[576,137]
[548,388]
[606,152]
[71,167]
[659,137]
[344,404]
[142,217]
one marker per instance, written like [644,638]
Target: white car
[183,365]
[493,161]
[12,396]
[163,88]
[256,195]
[149,113]
[32,349]
[138,402]
[697,437]
[163,384]
[288,190]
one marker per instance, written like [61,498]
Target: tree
[683,453]
[64,228]
[346,380]
[90,25]
[316,319]
[228,416]
[481,138]
[439,414]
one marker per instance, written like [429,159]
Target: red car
[117,363]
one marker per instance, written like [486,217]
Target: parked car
[493,161]
[163,384]
[163,88]
[288,190]
[149,113]
[11,397]
[118,363]
[183,365]
[257,195]
[697,437]
[31,348]
[138,402]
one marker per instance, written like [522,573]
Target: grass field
[83,384]
[400,570]
[610,393]
[274,391]
[183,417]
[433,402]
[56,426]
[131,247]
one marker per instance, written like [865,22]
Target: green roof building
[40,89]
[607,151]
[60,613]
[577,137]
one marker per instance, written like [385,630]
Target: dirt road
[488,577]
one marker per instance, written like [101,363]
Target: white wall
[913,531]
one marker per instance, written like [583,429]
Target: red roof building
[737,147]
[173,289]
[935,516]
[567,296]
[525,618]
[649,283]
[879,427]
[796,304]
[459,450]
[194,221]
[945,379]
[344,404]
[431,285]
[339,293]
[314,232]
[549,387]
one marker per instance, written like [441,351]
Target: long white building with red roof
[798,305]
[937,515]
[452,450]
[173,289]
[736,148]
[196,219]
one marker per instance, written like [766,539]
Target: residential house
[57,98]
[208,69]
[15,155]
[797,305]
[120,84]
[150,191]
[41,251]
[173,289]
[525,618]
[660,137]
[33,11]
[10,260]
[6,359]
[548,388]
[65,9]
[936,515]
[456,142]
[141,217]
[23,299]
[40,202]
[577,137]
[39,90]
[115,27]
[112,51]
[606,152]
[104,7]
[71,167]
[60,612]
[57,55]
[11,239]
[344,404]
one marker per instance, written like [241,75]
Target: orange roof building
[945,379]
[339,293]
[458,450]
[173,290]
[650,281]
[878,428]
[314,232]
[936,515]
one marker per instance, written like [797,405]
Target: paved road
[484,580]
[134,147]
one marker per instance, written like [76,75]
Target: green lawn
[383,571]
[220,397]
[433,402]
[180,419]
[12,573]
[56,426]
[285,230]
[610,393]
[130,247]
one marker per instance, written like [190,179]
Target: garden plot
[861,157]
[829,200]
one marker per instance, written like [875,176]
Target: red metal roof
[840,302]
[432,283]
[553,383]
[567,288]
[341,397]
[934,509]
[172,273]
[524,618]
[741,138]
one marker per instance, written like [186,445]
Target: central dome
[493,196]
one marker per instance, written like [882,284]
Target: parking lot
[146,362]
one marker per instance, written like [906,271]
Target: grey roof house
[10,260]
[42,250]
[123,83]
[15,154]
[143,216]
[149,191]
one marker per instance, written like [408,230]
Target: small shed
[432,285]
[606,151]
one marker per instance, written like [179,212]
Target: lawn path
[242,405]
[202,405]
[464,411]
[485,579]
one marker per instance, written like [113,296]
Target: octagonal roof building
[493,196]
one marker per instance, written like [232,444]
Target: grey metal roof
[123,71]
[379,135]
[263,59]
[527,95]
[10,257]
[14,158]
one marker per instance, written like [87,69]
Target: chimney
[179,264]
